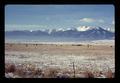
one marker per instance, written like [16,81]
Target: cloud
[91,20]
[101,21]
[25,26]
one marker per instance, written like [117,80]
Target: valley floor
[26,60]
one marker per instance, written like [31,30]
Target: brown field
[59,61]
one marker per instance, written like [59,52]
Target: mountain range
[81,33]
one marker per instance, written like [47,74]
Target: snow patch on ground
[61,61]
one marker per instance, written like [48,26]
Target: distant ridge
[81,33]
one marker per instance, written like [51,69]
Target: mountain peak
[86,28]
[83,28]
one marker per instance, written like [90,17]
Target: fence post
[74,69]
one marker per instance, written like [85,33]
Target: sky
[39,17]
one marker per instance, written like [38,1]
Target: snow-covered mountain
[83,28]
[80,33]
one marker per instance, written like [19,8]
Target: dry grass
[109,74]
[23,70]
[10,68]
[55,61]
[31,71]
[50,73]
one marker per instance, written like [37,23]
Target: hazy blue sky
[36,17]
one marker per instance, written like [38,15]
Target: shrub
[10,68]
